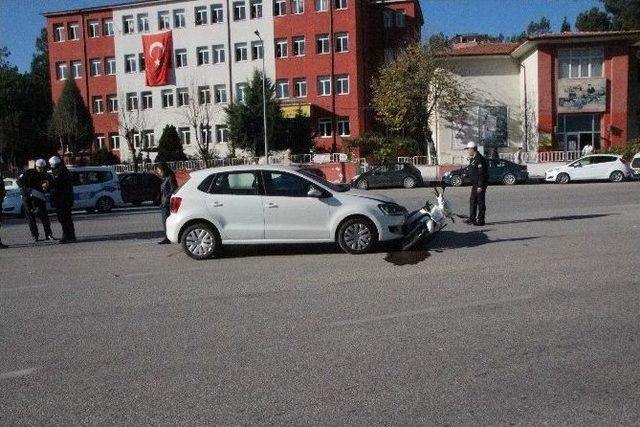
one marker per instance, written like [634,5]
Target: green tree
[565,27]
[593,20]
[298,133]
[411,88]
[625,13]
[170,146]
[71,122]
[543,26]
[41,105]
[103,157]
[245,119]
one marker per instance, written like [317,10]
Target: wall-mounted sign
[588,95]
[492,126]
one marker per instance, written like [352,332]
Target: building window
[220,93]
[282,89]
[114,139]
[324,85]
[132,101]
[164,20]
[130,64]
[279,7]
[143,22]
[147,100]
[218,54]
[297,7]
[128,25]
[217,14]
[74,31]
[141,64]
[342,42]
[203,55]
[185,135]
[136,140]
[241,90]
[201,14]
[100,141]
[576,131]
[179,18]
[322,43]
[387,17]
[183,96]
[239,11]
[112,103]
[167,98]
[340,4]
[321,5]
[76,69]
[298,46]
[58,33]
[107,27]
[400,18]
[222,134]
[324,127]
[204,95]
[181,58]
[110,66]
[581,62]
[98,105]
[256,9]
[93,30]
[281,48]
[61,71]
[94,67]
[205,134]
[342,84]
[343,126]
[148,138]
[257,50]
[300,88]
[241,52]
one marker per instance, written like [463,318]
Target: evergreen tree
[299,133]
[170,146]
[543,26]
[625,13]
[71,123]
[565,27]
[593,20]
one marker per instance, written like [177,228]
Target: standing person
[62,198]
[2,194]
[478,174]
[519,157]
[167,188]
[33,184]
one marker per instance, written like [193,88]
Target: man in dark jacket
[32,185]
[62,198]
[478,170]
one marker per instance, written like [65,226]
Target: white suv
[277,204]
[593,167]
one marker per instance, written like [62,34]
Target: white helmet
[472,144]
[54,161]
[40,163]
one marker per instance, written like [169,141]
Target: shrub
[103,157]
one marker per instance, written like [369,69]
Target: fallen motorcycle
[424,223]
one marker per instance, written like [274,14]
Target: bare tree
[132,121]
[198,114]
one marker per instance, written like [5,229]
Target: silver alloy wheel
[363,184]
[456,181]
[104,204]
[563,178]
[616,176]
[357,236]
[409,182]
[509,179]
[200,241]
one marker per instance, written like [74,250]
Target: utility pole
[264,100]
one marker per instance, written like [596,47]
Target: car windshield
[340,188]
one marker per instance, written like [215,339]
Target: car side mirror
[314,192]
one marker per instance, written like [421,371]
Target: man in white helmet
[62,198]
[478,173]
[33,186]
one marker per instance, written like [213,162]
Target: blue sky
[20,20]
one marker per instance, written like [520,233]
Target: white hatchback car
[592,167]
[277,204]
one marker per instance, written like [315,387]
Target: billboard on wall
[492,126]
[588,95]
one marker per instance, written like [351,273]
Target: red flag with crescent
[158,50]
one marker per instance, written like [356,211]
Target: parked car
[137,188]
[500,171]
[389,175]
[635,166]
[12,203]
[95,188]
[592,167]
[277,204]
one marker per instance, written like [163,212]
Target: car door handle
[271,205]
[217,204]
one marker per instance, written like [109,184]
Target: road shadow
[245,251]
[143,235]
[551,219]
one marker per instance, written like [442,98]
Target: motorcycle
[424,223]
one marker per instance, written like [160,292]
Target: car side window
[584,162]
[235,183]
[284,184]
[381,169]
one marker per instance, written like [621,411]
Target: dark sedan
[500,171]
[137,188]
[389,175]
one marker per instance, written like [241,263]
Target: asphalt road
[532,319]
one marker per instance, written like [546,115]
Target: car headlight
[447,175]
[392,209]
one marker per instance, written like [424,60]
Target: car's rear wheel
[563,178]
[456,181]
[409,182]
[509,179]
[104,204]
[616,176]
[357,235]
[201,241]
[363,184]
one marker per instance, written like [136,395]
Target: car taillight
[175,204]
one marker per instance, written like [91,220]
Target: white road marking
[20,288]
[19,373]
[428,310]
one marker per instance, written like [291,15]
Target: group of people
[34,184]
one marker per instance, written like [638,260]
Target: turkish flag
[157,57]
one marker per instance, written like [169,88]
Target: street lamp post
[264,100]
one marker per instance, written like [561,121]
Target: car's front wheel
[363,184]
[104,204]
[509,179]
[409,182]
[563,178]
[456,181]
[201,241]
[357,236]
[616,176]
